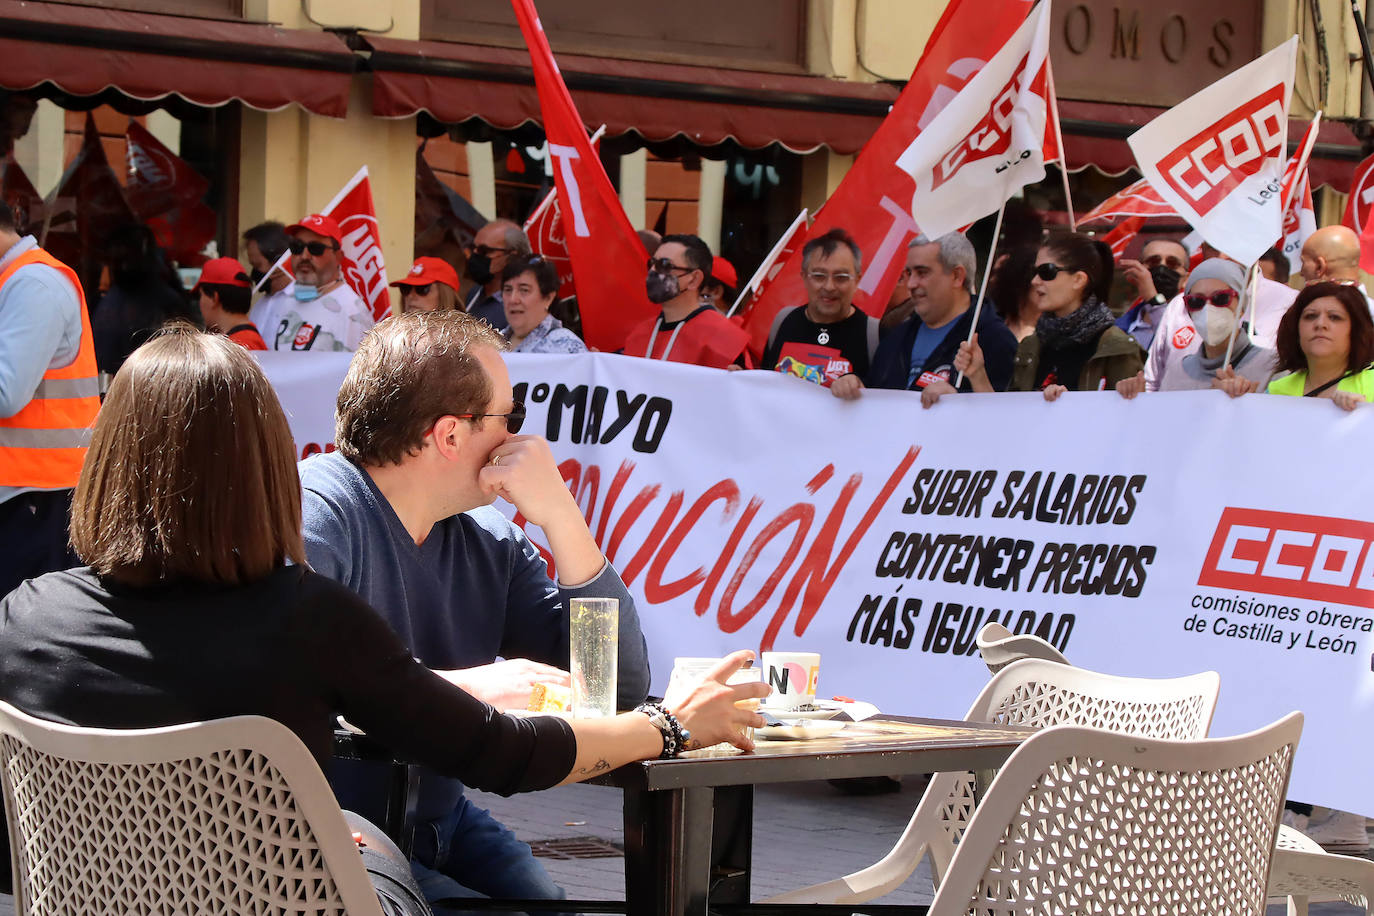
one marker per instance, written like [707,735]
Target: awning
[706,105]
[84,51]
[1095,135]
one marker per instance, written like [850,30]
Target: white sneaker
[1341,832]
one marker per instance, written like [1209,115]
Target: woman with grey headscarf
[1214,302]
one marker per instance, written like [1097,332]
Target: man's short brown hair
[408,372]
[191,473]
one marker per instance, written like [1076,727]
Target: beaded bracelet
[675,737]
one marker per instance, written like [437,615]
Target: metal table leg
[668,851]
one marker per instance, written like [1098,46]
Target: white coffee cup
[793,676]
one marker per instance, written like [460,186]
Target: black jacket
[892,362]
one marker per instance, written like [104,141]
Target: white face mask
[1215,324]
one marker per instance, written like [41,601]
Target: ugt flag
[364,268]
[544,229]
[871,201]
[1218,156]
[990,139]
[607,257]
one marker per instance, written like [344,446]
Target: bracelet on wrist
[675,737]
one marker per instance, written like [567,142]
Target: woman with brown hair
[187,512]
[1326,342]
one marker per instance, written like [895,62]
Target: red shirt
[246,335]
[704,338]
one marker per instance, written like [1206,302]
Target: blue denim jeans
[470,854]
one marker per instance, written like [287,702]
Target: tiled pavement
[803,833]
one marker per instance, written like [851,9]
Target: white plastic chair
[1303,871]
[228,816]
[1036,693]
[1000,647]
[1081,820]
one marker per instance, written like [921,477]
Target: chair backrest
[231,815]
[1039,693]
[1000,647]
[1082,820]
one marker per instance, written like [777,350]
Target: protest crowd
[148,465]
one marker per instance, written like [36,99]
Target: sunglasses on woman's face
[1221,299]
[316,249]
[420,290]
[1048,271]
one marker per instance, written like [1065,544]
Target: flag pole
[1251,286]
[1362,29]
[764,267]
[982,287]
[1304,153]
[1059,144]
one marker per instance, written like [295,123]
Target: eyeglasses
[487,251]
[820,278]
[666,265]
[419,290]
[317,249]
[514,420]
[1221,298]
[1169,261]
[1048,271]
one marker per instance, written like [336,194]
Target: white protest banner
[885,536]
[989,141]
[1217,157]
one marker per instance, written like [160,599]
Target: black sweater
[295,647]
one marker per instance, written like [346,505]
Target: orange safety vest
[43,445]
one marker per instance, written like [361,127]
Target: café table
[689,821]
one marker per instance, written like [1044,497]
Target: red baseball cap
[320,225]
[222,272]
[430,270]
[724,271]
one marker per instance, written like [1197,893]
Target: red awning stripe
[457,82]
[86,50]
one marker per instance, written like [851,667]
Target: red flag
[1120,237]
[167,194]
[1299,214]
[607,257]
[872,202]
[1367,247]
[17,191]
[544,229]
[364,268]
[790,243]
[1137,200]
[1361,196]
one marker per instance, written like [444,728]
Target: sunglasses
[317,249]
[514,420]
[1170,262]
[487,251]
[666,265]
[1222,298]
[1049,270]
[419,290]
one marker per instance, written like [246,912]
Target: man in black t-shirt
[828,337]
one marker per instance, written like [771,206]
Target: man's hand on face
[506,684]
[523,472]
[1138,275]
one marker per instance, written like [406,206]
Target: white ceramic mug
[793,676]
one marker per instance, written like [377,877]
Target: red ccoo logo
[992,135]
[1298,556]
[1206,167]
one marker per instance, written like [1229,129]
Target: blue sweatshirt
[474,590]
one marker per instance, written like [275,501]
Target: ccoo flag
[607,257]
[989,141]
[1218,156]
[870,202]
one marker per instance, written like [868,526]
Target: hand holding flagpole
[982,287]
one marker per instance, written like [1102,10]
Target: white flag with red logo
[364,268]
[544,229]
[1218,156]
[989,141]
[1140,199]
[1299,215]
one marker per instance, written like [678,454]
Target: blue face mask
[305,292]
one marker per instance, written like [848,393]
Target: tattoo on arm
[595,768]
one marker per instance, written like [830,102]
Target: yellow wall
[292,163]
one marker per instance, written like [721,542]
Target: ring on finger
[495,460]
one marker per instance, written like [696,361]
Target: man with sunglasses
[324,312]
[427,433]
[495,245]
[1157,278]
[686,330]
